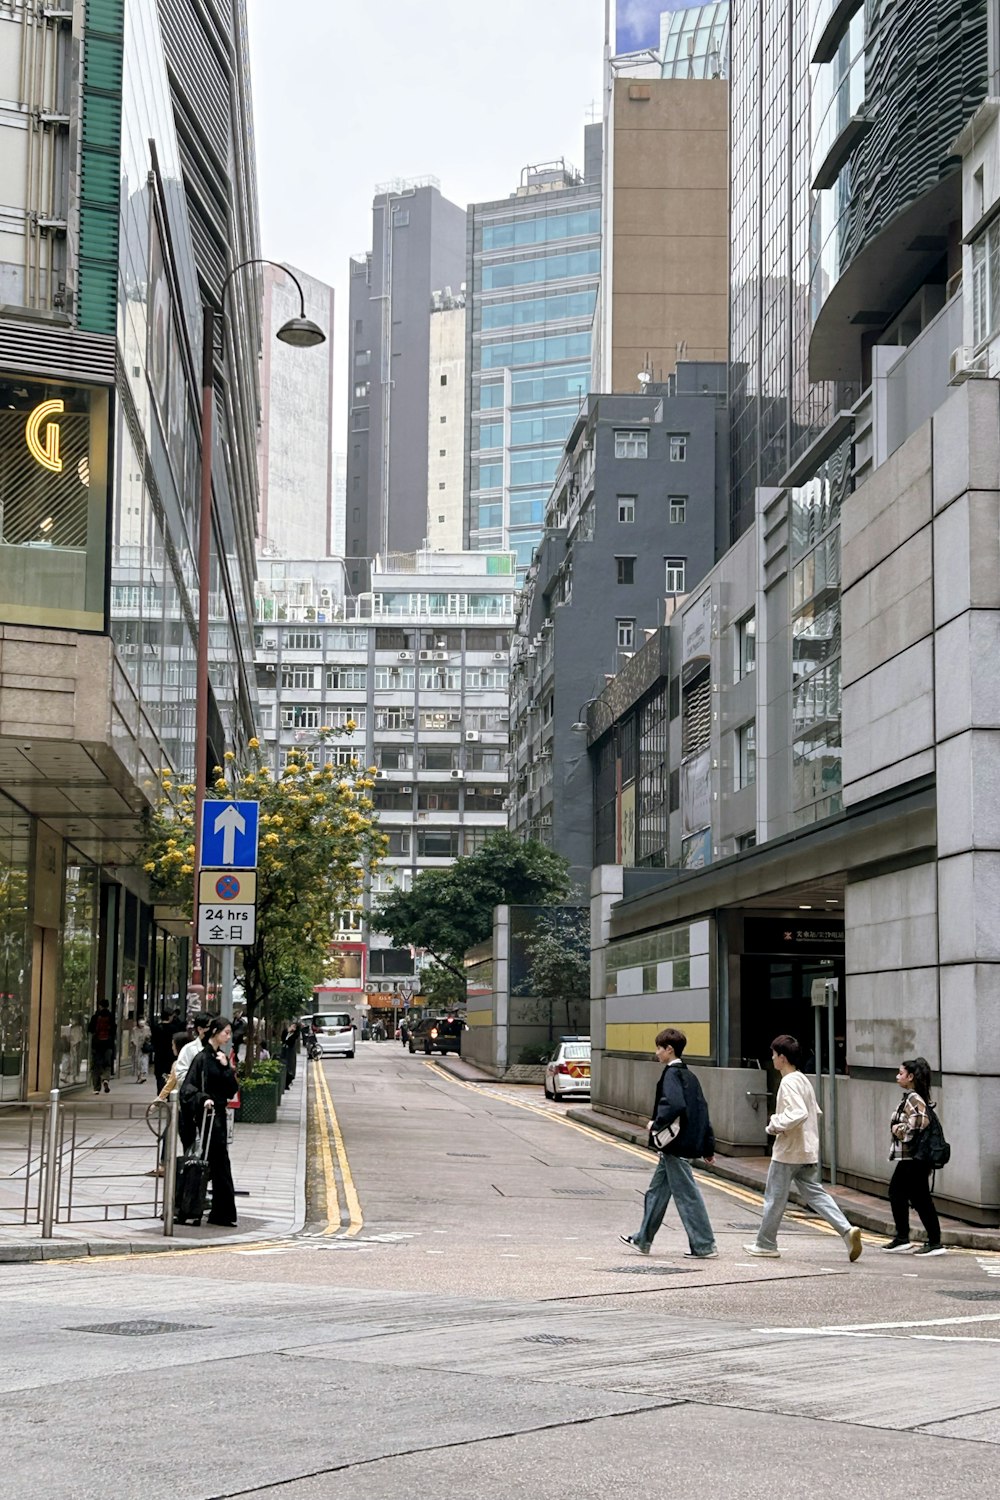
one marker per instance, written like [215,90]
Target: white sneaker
[758,1250]
[632,1244]
[704,1255]
[854,1246]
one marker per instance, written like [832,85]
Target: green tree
[447,912]
[318,841]
[559,954]
[441,989]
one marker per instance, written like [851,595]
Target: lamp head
[301,333]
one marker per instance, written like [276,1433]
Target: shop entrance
[781,958]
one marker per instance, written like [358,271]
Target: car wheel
[348,1054]
[545,1088]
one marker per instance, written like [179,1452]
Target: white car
[568,1069]
[334,1033]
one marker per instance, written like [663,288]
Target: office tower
[338,525]
[418,248]
[446,422]
[295,455]
[140,197]
[533,272]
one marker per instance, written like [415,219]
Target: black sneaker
[632,1244]
[898,1247]
[930,1250]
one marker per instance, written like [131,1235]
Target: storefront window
[77,996]
[14,951]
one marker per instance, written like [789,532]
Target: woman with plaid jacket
[911,1181]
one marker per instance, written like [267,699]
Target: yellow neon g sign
[45,452]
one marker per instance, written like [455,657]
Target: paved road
[472,1326]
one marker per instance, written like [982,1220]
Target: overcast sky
[347,96]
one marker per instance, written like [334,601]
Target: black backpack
[929,1144]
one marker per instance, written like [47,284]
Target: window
[678,509]
[361,390]
[347,677]
[678,447]
[444,380]
[675,571]
[626,507]
[986,283]
[438,758]
[745,769]
[440,520]
[626,634]
[440,679]
[300,716]
[362,357]
[394,758]
[482,679]
[394,679]
[745,646]
[299,677]
[625,567]
[444,419]
[359,327]
[631,444]
[437,801]
[303,640]
[357,515]
[339,718]
[442,453]
[441,484]
[746,841]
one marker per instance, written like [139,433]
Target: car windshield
[576,1051]
[342,1019]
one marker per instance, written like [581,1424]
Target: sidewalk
[864,1209]
[116,1206]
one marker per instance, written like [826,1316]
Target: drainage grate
[647,1270]
[577,1192]
[555,1339]
[137,1329]
[980,1294]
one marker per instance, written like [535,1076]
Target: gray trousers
[782,1176]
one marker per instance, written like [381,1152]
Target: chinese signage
[790,935]
[225,926]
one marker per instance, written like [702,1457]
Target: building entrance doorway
[776,996]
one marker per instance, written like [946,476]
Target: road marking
[355,1217]
[991,1266]
[864,1328]
[326,1159]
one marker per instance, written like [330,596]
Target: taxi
[568,1069]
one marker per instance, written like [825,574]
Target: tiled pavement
[116,1207]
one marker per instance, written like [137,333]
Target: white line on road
[834,1328]
[991,1266]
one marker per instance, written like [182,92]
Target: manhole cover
[138,1328]
[553,1338]
[979,1294]
[577,1192]
[647,1270]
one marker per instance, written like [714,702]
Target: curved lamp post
[300,333]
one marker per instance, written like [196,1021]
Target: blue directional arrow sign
[229,834]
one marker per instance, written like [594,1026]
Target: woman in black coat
[290,1052]
[209,1084]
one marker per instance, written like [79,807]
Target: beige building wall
[446,428]
[669,229]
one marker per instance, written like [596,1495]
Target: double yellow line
[327,1131]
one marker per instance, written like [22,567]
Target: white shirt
[186,1057]
[795,1122]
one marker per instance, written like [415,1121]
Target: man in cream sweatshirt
[795,1159]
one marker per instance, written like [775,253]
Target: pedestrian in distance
[163,1034]
[141,1046]
[290,1052]
[210,1082]
[911,1181]
[680,1113]
[795,1158]
[103,1033]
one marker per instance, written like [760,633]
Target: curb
[728,1169]
[24,1252]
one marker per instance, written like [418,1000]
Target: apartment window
[355,678]
[745,769]
[357,515]
[626,634]
[444,419]
[676,568]
[438,758]
[631,444]
[299,677]
[300,716]
[626,507]
[444,380]
[303,640]
[359,327]
[678,448]
[394,679]
[745,646]
[986,283]
[362,357]
[678,509]
[625,567]
[746,841]
[442,453]
[441,485]
[440,520]
[361,390]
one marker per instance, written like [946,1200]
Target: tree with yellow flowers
[318,840]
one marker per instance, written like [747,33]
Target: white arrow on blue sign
[229,834]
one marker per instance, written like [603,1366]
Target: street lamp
[300,333]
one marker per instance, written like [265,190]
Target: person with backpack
[918,1148]
[795,1157]
[681,1131]
[103,1032]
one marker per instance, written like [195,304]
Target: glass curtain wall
[15,946]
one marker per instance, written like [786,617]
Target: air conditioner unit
[471,736]
[325,596]
[454,718]
[405,656]
[380,774]
[499,656]
[458,775]
[129,649]
[498,791]
[406,789]
[964,365]
[427,656]
[371,989]
[503,716]
[269,645]
[440,655]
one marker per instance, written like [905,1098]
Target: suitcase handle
[207,1115]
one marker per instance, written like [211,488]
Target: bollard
[170,1164]
[50,1184]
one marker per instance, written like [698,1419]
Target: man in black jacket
[680,1103]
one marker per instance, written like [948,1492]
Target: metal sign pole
[830,1011]
[170,1163]
[51,1167]
[228,976]
[818,1047]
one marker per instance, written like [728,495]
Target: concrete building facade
[418,247]
[295,456]
[446,422]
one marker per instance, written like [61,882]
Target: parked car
[568,1069]
[437,1034]
[334,1032]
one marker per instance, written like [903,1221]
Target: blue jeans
[782,1176]
[674,1178]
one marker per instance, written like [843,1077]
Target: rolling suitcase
[192,1176]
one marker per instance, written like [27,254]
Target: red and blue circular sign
[227,887]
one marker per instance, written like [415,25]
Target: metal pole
[204,570]
[51,1172]
[170,1164]
[228,976]
[830,1010]
[818,1049]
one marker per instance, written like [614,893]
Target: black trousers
[911,1186]
[223,1196]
